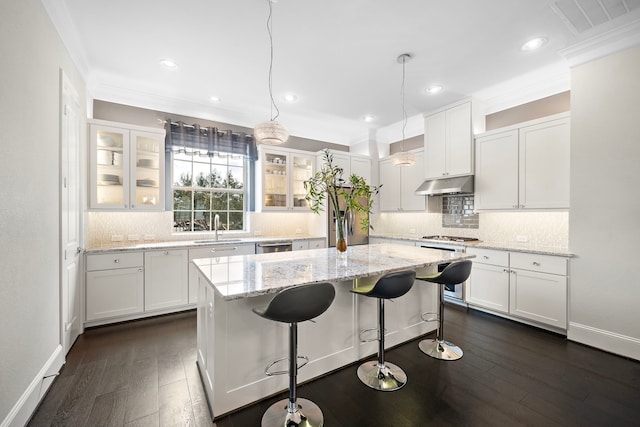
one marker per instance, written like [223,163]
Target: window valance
[208,141]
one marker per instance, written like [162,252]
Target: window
[203,186]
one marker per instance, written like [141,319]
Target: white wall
[604,230]
[32,56]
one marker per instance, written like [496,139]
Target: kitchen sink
[217,241]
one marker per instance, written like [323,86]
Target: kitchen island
[235,345]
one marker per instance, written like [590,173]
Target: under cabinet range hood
[440,186]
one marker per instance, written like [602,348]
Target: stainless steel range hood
[440,186]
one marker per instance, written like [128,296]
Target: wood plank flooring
[144,373]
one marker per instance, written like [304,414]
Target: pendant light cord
[404,111]
[270,31]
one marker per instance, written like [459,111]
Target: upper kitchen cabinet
[126,166]
[524,166]
[350,163]
[282,174]
[399,184]
[448,139]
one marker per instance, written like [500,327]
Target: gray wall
[143,117]
[603,220]
[32,55]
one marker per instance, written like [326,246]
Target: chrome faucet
[216,224]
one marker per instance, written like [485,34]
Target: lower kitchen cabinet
[524,285]
[166,279]
[488,284]
[115,285]
[539,288]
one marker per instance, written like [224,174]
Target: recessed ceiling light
[290,97]
[533,44]
[432,90]
[168,63]
[215,99]
[369,118]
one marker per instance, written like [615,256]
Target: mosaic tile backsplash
[458,212]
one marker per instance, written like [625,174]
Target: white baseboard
[28,402]
[605,340]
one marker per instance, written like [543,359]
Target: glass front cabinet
[283,173]
[126,167]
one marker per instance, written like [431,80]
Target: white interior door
[70,282]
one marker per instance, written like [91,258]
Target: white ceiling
[337,56]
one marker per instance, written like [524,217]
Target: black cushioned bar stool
[382,375]
[293,305]
[452,274]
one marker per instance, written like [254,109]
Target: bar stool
[381,375]
[454,273]
[293,305]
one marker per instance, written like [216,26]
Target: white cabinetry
[399,184]
[317,243]
[166,279]
[448,139]
[539,288]
[219,250]
[524,167]
[282,174]
[488,284]
[126,166]
[115,285]
[524,285]
[350,163]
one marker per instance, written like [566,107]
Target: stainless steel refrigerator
[355,234]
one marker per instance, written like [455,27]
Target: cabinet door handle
[139,270]
[535,263]
[522,206]
[166,252]
[506,270]
[485,257]
[117,261]
[226,249]
[512,271]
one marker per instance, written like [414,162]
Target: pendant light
[403,158]
[271,132]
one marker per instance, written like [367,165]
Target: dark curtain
[207,141]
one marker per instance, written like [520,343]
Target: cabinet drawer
[222,250]
[300,245]
[541,263]
[317,244]
[489,256]
[114,260]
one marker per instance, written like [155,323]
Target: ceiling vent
[582,15]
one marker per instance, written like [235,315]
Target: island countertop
[245,276]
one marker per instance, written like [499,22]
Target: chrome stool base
[308,414]
[386,378]
[443,350]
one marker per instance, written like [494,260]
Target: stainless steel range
[452,293]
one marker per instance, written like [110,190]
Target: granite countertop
[245,276]
[180,244]
[504,246]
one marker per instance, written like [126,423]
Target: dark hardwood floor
[144,374]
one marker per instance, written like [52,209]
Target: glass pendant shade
[403,158]
[270,133]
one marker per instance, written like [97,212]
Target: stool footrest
[270,365]
[430,317]
[365,331]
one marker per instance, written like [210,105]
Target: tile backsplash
[458,212]
[539,228]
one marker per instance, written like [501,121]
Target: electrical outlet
[116,237]
[298,230]
[522,239]
[133,237]
[149,237]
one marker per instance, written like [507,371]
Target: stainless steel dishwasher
[265,248]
